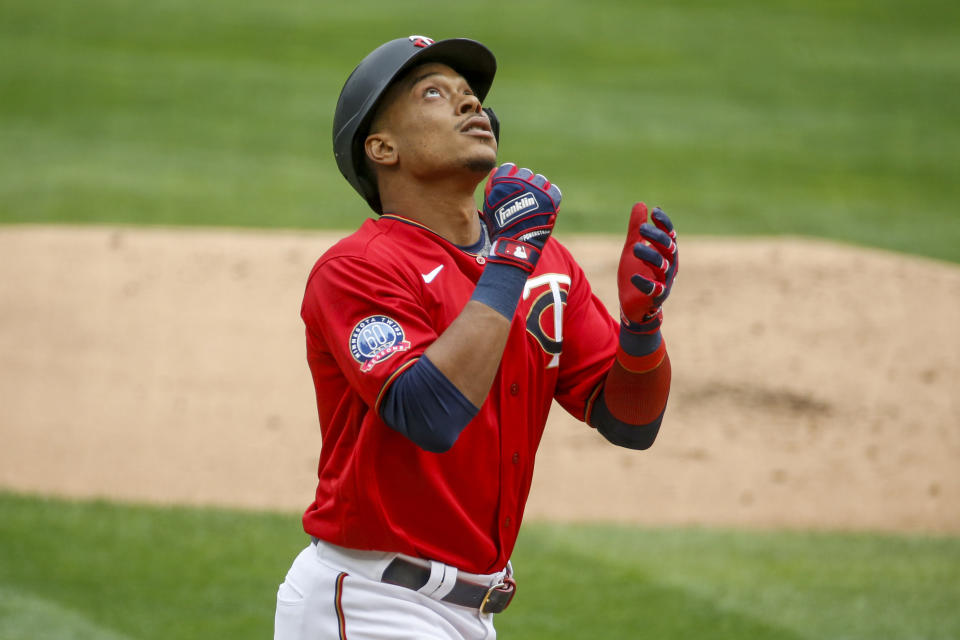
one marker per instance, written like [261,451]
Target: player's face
[438,125]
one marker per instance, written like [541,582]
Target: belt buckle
[508,587]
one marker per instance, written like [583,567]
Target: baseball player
[437,338]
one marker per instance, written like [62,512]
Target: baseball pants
[335,593]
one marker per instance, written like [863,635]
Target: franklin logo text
[521,204]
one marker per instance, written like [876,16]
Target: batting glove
[648,266]
[519,209]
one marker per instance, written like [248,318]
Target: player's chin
[482,162]
[482,166]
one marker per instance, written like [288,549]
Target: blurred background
[835,119]
[166,181]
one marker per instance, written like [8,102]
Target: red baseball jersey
[373,304]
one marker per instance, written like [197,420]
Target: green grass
[103,571]
[820,117]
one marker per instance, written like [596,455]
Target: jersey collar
[474,249]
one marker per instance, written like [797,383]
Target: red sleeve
[589,346]
[372,321]
[639,396]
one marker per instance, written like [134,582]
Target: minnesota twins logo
[420,41]
[375,339]
[545,317]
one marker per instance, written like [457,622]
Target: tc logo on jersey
[515,207]
[375,339]
[545,317]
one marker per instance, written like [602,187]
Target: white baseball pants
[333,593]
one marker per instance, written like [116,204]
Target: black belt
[466,594]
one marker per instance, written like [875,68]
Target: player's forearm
[519,210]
[638,396]
[631,406]
[468,353]
[434,400]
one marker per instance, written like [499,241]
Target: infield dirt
[815,384]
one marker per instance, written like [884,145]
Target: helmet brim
[467,57]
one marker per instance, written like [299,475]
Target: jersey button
[514,389]
[516,457]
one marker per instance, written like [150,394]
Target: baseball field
[166,182]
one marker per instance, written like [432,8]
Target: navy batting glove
[519,209]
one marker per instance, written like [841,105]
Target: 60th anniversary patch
[375,339]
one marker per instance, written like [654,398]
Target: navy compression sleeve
[426,407]
[499,287]
[624,434]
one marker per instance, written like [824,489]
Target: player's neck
[450,213]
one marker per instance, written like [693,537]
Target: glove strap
[649,324]
[514,252]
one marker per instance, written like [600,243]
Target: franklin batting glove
[519,209]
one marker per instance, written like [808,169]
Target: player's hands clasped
[519,209]
[648,266]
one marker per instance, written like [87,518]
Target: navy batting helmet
[370,80]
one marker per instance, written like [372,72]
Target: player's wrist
[648,321]
[640,353]
[639,340]
[500,287]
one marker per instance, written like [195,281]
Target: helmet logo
[420,41]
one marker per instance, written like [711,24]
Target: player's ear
[381,148]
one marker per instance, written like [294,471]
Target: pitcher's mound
[814,384]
